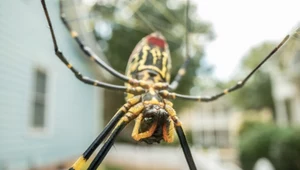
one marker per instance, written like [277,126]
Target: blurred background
[48,118]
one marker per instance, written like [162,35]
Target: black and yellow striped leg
[239,84]
[88,51]
[132,113]
[78,75]
[181,72]
[86,155]
[108,144]
[108,128]
[183,142]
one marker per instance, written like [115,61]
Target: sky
[240,25]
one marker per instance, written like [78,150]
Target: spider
[147,84]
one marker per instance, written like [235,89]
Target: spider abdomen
[150,60]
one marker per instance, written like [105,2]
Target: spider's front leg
[181,136]
[112,124]
[132,113]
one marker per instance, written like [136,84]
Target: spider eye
[146,124]
[148,119]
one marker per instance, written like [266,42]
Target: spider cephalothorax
[154,123]
[154,117]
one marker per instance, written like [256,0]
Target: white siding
[72,107]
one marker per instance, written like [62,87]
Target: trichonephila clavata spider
[148,85]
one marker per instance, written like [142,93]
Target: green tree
[122,24]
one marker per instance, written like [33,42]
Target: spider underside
[148,86]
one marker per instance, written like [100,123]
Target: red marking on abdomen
[156,41]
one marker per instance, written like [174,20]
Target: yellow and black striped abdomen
[150,60]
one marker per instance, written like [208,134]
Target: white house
[47,116]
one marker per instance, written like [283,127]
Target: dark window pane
[40,82]
[38,116]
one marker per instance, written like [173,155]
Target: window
[39,100]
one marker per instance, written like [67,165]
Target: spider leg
[185,147]
[108,144]
[93,56]
[77,74]
[132,113]
[181,72]
[81,161]
[108,128]
[183,142]
[88,51]
[136,135]
[237,86]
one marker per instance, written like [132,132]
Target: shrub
[254,143]
[285,151]
[280,145]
